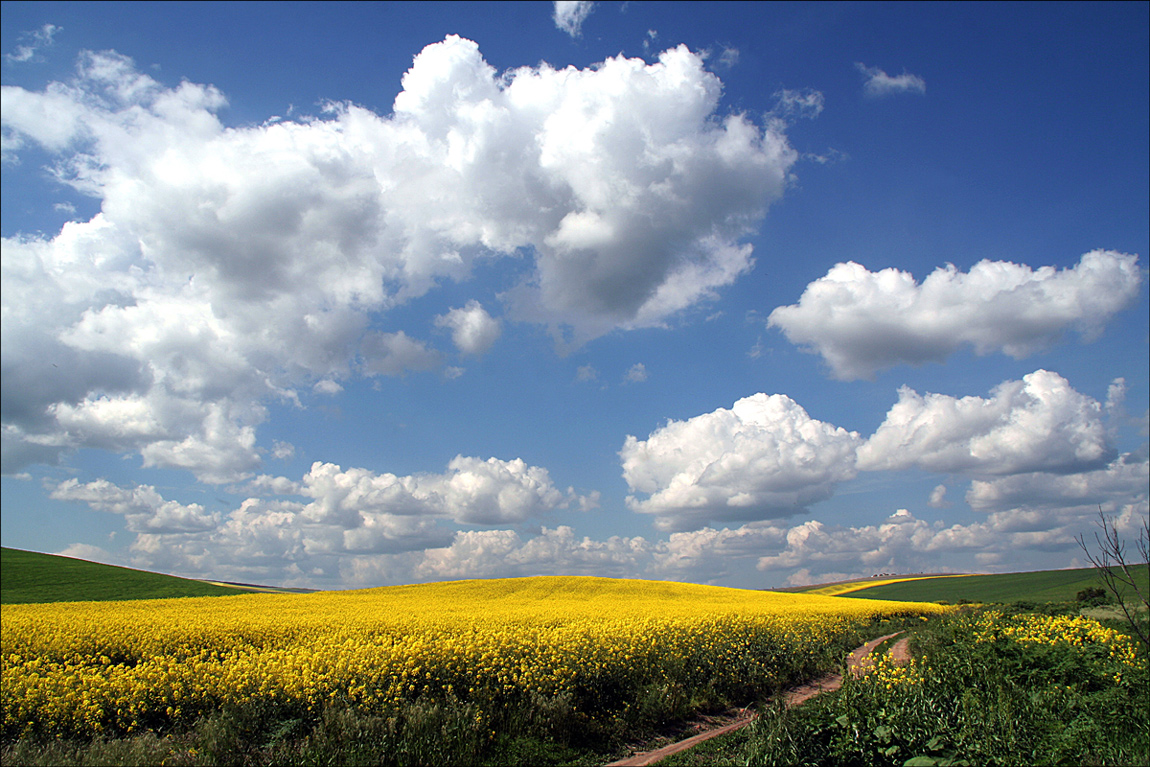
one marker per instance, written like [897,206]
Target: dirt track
[859,659]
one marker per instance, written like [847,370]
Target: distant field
[1040,586]
[28,577]
[847,587]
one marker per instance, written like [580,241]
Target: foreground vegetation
[31,577]
[532,671]
[986,688]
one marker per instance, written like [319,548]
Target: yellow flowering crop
[118,667]
[1060,630]
[885,673]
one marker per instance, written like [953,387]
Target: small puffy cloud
[762,459]
[327,386]
[394,354]
[145,510]
[266,484]
[805,103]
[728,58]
[473,330]
[938,498]
[862,321]
[637,373]
[1037,424]
[569,15]
[36,40]
[282,450]
[586,373]
[878,83]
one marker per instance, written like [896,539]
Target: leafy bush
[1093,596]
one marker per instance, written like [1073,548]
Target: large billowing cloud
[1038,424]
[1125,479]
[230,266]
[763,458]
[862,321]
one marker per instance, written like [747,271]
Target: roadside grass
[987,688]
[29,577]
[1041,586]
[725,749]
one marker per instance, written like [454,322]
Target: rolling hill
[1038,586]
[28,576]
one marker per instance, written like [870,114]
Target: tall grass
[989,689]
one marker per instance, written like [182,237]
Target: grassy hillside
[1040,586]
[27,577]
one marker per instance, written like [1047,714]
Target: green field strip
[28,577]
[1040,586]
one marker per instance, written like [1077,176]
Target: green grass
[725,749]
[1040,586]
[27,577]
[976,696]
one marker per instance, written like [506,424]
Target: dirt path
[858,660]
[900,653]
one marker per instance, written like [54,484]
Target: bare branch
[1115,571]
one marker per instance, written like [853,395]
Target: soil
[859,659]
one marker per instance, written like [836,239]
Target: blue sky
[341,295]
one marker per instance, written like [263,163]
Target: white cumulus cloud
[637,373]
[472,491]
[473,330]
[878,83]
[229,266]
[1037,424]
[862,321]
[345,515]
[569,15]
[145,510]
[36,41]
[1124,480]
[763,458]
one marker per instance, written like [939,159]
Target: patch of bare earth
[713,727]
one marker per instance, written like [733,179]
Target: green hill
[1039,586]
[27,576]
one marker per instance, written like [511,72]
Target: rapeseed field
[110,669]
